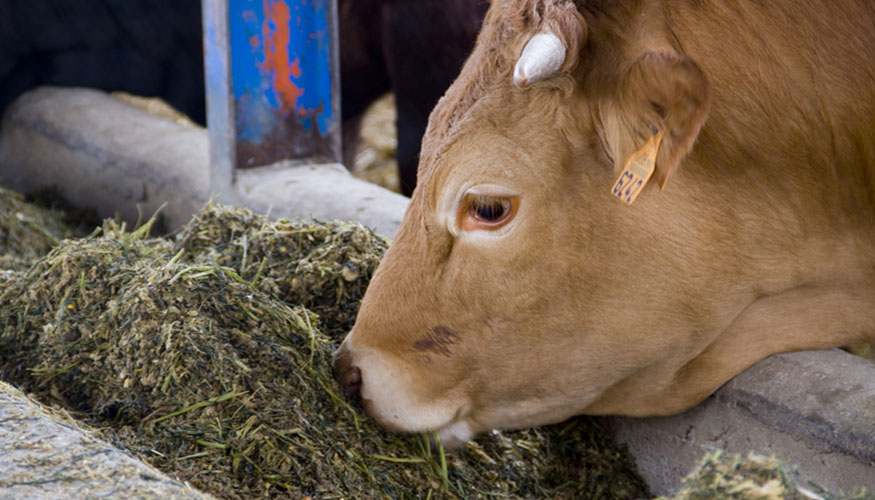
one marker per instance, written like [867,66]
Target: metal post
[217,71]
[273,84]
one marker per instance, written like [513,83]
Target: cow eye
[486,211]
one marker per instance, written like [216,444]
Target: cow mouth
[452,435]
[456,433]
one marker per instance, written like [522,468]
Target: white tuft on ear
[541,59]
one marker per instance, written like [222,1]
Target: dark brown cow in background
[527,284]
[413,48]
[145,47]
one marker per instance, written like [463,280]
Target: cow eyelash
[488,208]
[487,212]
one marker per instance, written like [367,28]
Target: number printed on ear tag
[638,170]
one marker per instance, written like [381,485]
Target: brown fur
[502,28]
[762,242]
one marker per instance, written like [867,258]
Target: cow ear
[661,92]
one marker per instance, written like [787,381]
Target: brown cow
[520,290]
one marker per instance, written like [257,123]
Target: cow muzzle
[390,392]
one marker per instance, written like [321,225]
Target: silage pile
[209,356]
[27,232]
[723,476]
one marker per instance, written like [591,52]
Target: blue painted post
[272,81]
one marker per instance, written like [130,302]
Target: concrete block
[321,192]
[814,410]
[43,457]
[104,154]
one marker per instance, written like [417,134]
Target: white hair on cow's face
[541,59]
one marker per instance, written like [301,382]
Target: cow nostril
[348,374]
[352,381]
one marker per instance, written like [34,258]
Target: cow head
[518,290]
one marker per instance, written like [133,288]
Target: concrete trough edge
[42,456]
[815,409]
[101,153]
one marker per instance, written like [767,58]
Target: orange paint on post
[276,53]
[296,68]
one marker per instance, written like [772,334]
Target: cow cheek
[530,356]
[407,383]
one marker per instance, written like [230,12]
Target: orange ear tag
[638,170]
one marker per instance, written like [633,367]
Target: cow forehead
[506,152]
[527,119]
[484,94]
[489,152]
[502,107]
